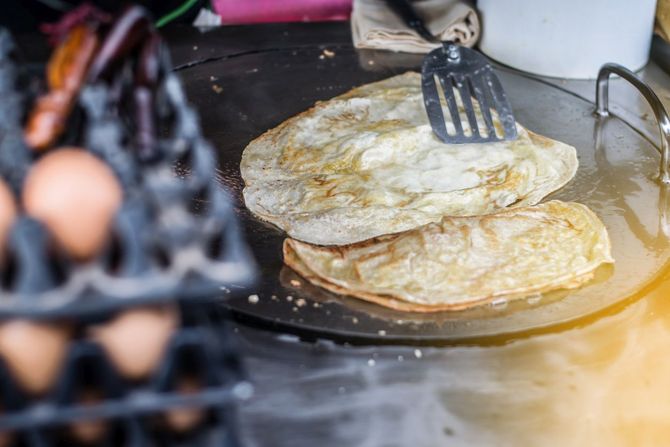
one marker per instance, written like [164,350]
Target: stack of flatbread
[380,209]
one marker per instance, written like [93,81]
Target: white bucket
[567,38]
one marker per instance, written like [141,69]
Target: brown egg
[6,439]
[34,352]
[183,420]
[89,432]
[76,195]
[7,213]
[136,339]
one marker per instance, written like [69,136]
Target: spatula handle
[405,10]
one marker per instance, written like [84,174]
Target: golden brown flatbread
[461,262]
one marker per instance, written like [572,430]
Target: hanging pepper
[144,93]
[66,72]
[127,32]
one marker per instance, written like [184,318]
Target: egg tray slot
[199,348]
[176,235]
[153,256]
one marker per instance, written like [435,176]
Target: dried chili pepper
[131,28]
[66,72]
[148,67]
[146,80]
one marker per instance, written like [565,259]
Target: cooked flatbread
[366,163]
[463,261]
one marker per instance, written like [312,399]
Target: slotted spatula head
[451,76]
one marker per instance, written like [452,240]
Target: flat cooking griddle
[241,96]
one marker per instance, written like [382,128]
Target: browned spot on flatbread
[540,140]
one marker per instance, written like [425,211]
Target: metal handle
[602,108]
[405,10]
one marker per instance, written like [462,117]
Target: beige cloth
[662,26]
[375,26]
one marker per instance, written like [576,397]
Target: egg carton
[175,237]
[133,411]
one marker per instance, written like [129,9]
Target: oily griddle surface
[240,97]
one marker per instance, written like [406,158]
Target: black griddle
[241,95]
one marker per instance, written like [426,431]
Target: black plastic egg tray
[175,239]
[200,348]
[176,235]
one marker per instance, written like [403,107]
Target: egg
[7,213]
[183,420]
[34,352]
[89,432]
[6,436]
[136,339]
[75,195]
[6,439]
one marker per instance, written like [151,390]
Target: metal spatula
[453,71]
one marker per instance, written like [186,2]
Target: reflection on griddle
[619,181]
